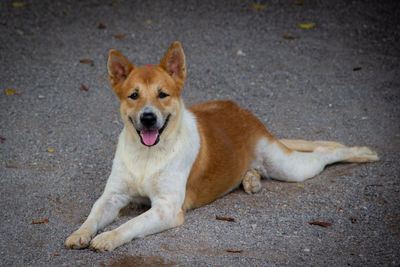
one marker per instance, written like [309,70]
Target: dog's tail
[310,146]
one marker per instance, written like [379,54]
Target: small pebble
[240,53]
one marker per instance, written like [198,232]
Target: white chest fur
[162,169]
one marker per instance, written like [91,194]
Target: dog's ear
[118,67]
[174,62]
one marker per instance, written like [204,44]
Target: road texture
[337,80]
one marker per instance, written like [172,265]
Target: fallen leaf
[56,254]
[119,36]
[233,251]
[299,3]
[288,37]
[102,79]
[40,221]
[225,219]
[13,92]
[2,139]
[322,224]
[50,150]
[65,12]
[301,186]
[86,61]
[101,26]
[19,32]
[149,21]
[307,25]
[356,68]
[353,220]
[84,88]
[10,92]
[255,6]
[11,167]
[113,4]
[19,4]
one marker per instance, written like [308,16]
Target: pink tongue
[149,137]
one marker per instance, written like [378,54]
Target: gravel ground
[338,80]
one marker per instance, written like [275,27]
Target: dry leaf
[11,167]
[299,3]
[2,139]
[307,25]
[86,61]
[101,26]
[84,88]
[356,68]
[233,251]
[225,219]
[40,221]
[259,6]
[65,12]
[113,4]
[322,224]
[55,254]
[102,79]
[19,4]
[119,36]
[50,150]
[288,37]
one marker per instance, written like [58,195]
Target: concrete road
[336,79]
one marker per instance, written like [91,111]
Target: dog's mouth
[150,137]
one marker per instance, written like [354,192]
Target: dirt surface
[338,80]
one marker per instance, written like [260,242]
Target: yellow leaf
[10,92]
[301,186]
[19,4]
[259,6]
[307,25]
[50,150]
[149,21]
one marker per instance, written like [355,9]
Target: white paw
[106,241]
[79,239]
[251,182]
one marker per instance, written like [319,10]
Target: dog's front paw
[79,239]
[106,241]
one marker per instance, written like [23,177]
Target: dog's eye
[134,96]
[162,95]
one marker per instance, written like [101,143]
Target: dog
[180,158]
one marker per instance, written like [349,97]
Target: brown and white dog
[182,158]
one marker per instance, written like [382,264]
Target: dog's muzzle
[149,134]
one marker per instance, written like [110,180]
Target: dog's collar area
[160,131]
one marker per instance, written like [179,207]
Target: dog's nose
[148,119]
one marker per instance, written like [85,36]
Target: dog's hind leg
[280,162]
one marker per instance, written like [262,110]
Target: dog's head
[150,96]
